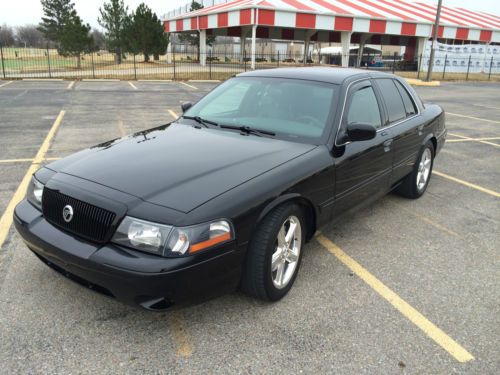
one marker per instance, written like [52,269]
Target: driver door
[363,168]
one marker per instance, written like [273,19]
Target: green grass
[37,64]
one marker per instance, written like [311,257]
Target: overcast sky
[20,12]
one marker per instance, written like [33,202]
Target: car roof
[334,75]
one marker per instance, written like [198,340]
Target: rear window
[392,98]
[407,100]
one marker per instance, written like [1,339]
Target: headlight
[35,193]
[170,241]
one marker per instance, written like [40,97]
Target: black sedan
[227,195]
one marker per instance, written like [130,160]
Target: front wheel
[415,184]
[275,253]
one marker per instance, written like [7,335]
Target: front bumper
[131,276]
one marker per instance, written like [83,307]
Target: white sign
[478,57]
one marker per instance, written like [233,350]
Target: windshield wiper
[201,121]
[243,129]
[248,130]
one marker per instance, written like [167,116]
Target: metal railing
[185,8]
[47,63]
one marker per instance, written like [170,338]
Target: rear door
[362,168]
[404,121]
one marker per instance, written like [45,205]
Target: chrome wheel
[424,169]
[286,254]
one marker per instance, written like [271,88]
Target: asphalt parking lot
[401,287]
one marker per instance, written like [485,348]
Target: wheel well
[434,143]
[304,203]
[310,215]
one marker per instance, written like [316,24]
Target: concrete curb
[43,79]
[100,80]
[419,82]
[204,80]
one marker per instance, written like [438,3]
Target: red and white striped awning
[383,17]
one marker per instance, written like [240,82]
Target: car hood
[179,166]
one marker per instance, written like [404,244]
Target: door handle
[387,145]
[384,133]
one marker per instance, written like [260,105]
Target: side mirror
[185,106]
[358,131]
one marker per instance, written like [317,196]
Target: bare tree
[30,36]
[99,39]
[6,35]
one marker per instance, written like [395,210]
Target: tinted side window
[364,108]
[392,99]
[407,100]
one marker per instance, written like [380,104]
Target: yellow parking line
[489,143]
[6,161]
[465,183]
[430,329]
[472,117]
[181,339]
[425,219]
[473,139]
[6,219]
[188,85]
[436,225]
[463,138]
[70,86]
[470,138]
[485,106]
[6,83]
[173,114]
[132,85]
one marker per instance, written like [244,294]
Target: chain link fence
[47,63]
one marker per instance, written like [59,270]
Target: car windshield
[292,109]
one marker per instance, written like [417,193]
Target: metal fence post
[173,60]
[368,62]
[3,65]
[93,68]
[491,64]
[394,62]
[468,68]
[278,59]
[445,61]
[245,59]
[210,64]
[135,69]
[419,68]
[48,61]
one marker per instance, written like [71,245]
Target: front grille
[90,222]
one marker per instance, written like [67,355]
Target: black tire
[257,279]
[408,188]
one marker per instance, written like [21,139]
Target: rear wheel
[415,184]
[275,253]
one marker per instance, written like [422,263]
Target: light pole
[434,42]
